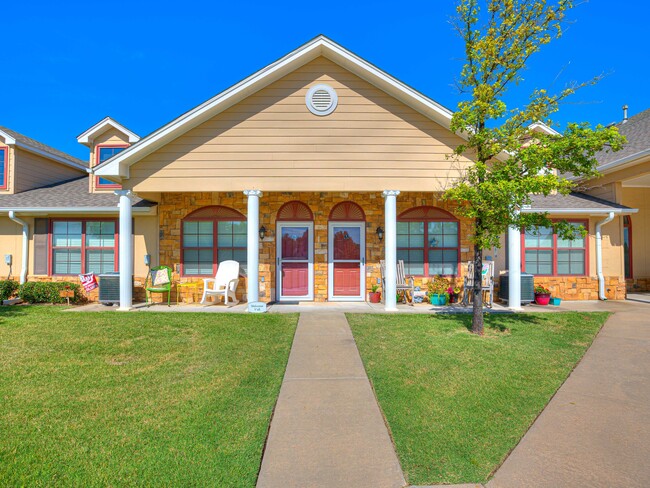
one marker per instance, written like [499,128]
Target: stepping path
[327,429]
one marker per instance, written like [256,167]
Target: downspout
[599,255]
[23,269]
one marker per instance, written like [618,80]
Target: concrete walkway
[595,431]
[327,429]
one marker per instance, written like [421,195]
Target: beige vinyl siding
[272,141]
[34,171]
[11,242]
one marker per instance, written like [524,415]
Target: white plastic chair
[224,283]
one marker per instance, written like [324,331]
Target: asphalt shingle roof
[637,131]
[43,147]
[573,200]
[71,193]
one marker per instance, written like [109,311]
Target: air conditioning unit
[527,287]
[109,288]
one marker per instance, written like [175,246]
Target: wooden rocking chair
[487,283]
[404,283]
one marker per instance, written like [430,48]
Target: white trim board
[102,126]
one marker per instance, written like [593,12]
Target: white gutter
[599,255]
[78,210]
[606,168]
[23,269]
[581,211]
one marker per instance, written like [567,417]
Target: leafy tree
[511,161]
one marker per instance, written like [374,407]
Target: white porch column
[253,248]
[390,249]
[126,250]
[514,268]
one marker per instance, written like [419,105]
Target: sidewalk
[327,429]
[595,431]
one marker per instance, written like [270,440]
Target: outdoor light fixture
[262,232]
[380,233]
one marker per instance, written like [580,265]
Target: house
[308,172]
[626,180]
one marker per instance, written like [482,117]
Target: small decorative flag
[89,281]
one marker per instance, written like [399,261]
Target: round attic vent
[321,99]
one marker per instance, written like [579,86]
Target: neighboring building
[626,180]
[69,215]
[303,168]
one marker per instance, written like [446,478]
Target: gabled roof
[542,127]
[637,131]
[70,196]
[13,138]
[320,46]
[575,203]
[86,138]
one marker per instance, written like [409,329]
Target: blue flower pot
[438,300]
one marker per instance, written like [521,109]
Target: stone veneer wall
[173,207]
[582,287]
[638,285]
[93,296]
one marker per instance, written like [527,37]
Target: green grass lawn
[457,404]
[147,399]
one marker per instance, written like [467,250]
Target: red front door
[347,250]
[294,260]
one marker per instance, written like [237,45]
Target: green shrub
[48,292]
[8,289]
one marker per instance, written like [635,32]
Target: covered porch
[307,247]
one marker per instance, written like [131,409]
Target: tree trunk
[477,293]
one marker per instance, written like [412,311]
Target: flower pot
[438,300]
[374,296]
[542,298]
[556,301]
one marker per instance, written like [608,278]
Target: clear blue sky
[66,65]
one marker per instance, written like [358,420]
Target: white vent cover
[321,99]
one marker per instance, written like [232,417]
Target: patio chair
[404,283]
[160,281]
[487,283]
[224,283]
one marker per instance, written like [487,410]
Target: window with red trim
[4,164]
[546,254]
[210,239]
[83,246]
[428,240]
[104,153]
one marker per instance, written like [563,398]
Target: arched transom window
[211,235]
[428,240]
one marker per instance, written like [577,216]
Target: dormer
[105,139]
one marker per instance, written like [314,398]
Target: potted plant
[438,294]
[542,295]
[374,296]
[454,294]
